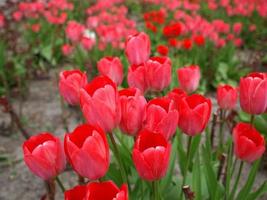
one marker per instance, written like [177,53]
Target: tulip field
[133,99]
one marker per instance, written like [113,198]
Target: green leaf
[197,179]
[243,194]
[262,190]
[181,153]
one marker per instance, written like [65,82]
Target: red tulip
[70,83]
[226,96]
[176,95]
[137,48]
[158,73]
[98,191]
[88,151]
[253,93]
[161,116]
[187,43]
[44,155]
[151,155]
[199,40]
[100,103]
[194,113]
[189,78]
[249,144]
[163,50]
[137,77]
[132,110]
[172,30]
[112,68]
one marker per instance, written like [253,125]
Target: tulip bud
[137,48]
[226,96]
[100,103]
[249,144]
[176,95]
[88,151]
[112,68]
[132,110]
[158,73]
[253,93]
[194,113]
[137,77]
[44,155]
[70,83]
[98,191]
[151,155]
[188,78]
[161,116]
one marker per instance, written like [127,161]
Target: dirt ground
[42,112]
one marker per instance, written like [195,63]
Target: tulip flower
[88,151]
[70,83]
[253,93]
[158,73]
[132,110]
[100,103]
[137,48]
[227,96]
[249,144]
[137,77]
[151,155]
[161,116]
[44,155]
[176,95]
[74,31]
[98,191]
[194,113]
[112,68]
[189,77]
[163,50]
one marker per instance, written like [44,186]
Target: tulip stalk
[221,128]
[237,180]
[117,155]
[50,189]
[156,192]
[60,184]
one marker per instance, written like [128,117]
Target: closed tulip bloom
[137,48]
[100,103]
[137,77]
[253,93]
[88,151]
[132,110]
[176,95]
[161,116]
[158,73]
[97,191]
[194,113]
[189,77]
[151,155]
[249,144]
[70,83]
[44,155]
[112,68]
[226,96]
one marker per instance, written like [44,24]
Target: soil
[42,112]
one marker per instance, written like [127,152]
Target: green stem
[222,118]
[188,159]
[117,155]
[228,171]
[156,193]
[237,180]
[252,117]
[60,184]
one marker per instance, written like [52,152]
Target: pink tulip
[100,103]
[176,95]
[194,113]
[132,110]
[70,83]
[226,96]
[253,93]
[151,155]
[137,48]
[189,78]
[74,31]
[44,155]
[112,68]
[137,77]
[161,116]
[88,151]
[158,73]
